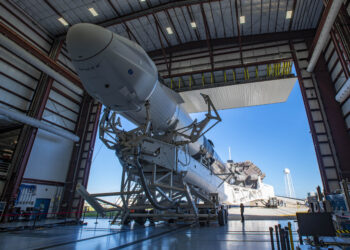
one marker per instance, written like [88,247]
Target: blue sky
[273,137]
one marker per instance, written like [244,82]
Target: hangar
[240,53]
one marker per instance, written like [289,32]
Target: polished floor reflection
[251,234]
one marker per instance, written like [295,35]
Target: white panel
[13,100]
[304,73]
[331,173]
[313,104]
[339,83]
[319,127]
[26,67]
[15,87]
[18,75]
[67,91]
[300,46]
[333,185]
[240,95]
[302,55]
[316,116]
[328,161]
[308,83]
[25,30]
[336,71]
[325,149]
[346,107]
[347,120]
[65,62]
[328,52]
[61,110]
[50,157]
[61,99]
[303,64]
[59,120]
[332,61]
[322,138]
[310,93]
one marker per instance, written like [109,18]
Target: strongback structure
[222,48]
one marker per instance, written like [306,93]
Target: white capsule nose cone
[85,40]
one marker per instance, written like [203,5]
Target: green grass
[93,214]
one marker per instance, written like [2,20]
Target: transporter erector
[169,167]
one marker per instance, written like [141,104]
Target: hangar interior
[223,48]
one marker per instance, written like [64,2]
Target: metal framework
[79,169]
[146,181]
[154,185]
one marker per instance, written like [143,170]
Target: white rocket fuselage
[119,73]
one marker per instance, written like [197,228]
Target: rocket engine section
[119,73]
[246,174]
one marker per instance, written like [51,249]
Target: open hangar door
[205,58]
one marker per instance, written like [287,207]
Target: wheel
[202,223]
[140,220]
[221,217]
[126,221]
[226,216]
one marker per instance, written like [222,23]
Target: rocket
[120,74]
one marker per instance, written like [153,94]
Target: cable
[98,151]
[148,192]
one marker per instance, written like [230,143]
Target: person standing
[242,212]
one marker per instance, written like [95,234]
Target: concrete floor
[250,235]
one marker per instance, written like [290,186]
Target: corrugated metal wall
[49,156]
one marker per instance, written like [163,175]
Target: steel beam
[335,117]
[43,182]
[320,26]
[309,117]
[252,39]
[151,10]
[228,67]
[80,164]
[173,25]
[207,35]
[239,32]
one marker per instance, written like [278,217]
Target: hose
[148,192]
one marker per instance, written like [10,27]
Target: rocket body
[119,73]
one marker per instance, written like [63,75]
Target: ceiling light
[289,14]
[142,0]
[169,30]
[242,19]
[93,12]
[193,25]
[64,22]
